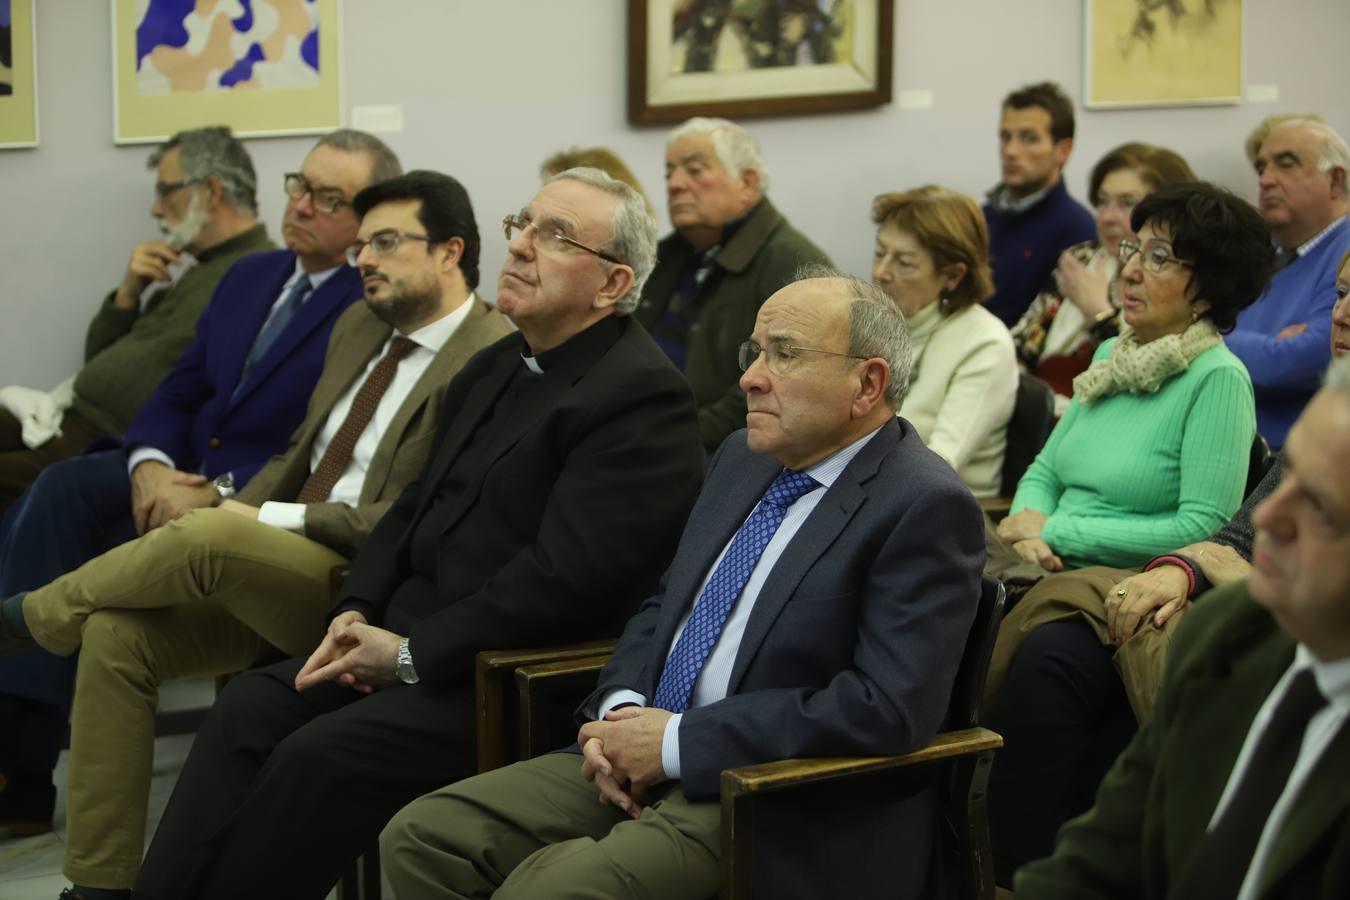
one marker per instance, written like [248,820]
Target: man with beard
[208,592]
[229,405]
[206,206]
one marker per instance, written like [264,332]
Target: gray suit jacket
[403,448]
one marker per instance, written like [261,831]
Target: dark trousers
[283,788]
[21,465]
[74,511]
[1064,718]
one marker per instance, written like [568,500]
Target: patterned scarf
[1143,368]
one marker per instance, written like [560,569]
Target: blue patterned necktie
[274,326]
[724,588]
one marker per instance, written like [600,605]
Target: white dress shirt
[715,676]
[1333,680]
[429,340]
[146,453]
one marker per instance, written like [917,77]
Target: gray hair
[632,229]
[1334,152]
[735,148]
[1337,376]
[876,327]
[384,163]
[214,153]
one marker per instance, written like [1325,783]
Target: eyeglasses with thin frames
[781,358]
[552,240]
[1154,259]
[384,243]
[325,200]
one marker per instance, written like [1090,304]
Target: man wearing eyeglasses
[731,249]
[229,404]
[818,605]
[257,571]
[551,502]
[205,205]
[1283,338]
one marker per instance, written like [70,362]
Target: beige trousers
[202,595]
[1081,594]
[537,830]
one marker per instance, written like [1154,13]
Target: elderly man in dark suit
[818,605]
[229,405]
[257,570]
[1236,788]
[550,504]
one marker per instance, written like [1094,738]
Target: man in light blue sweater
[1284,338]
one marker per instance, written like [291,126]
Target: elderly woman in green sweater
[1151,455]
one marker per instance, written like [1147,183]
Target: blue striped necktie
[724,589]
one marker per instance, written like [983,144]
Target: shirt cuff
[615,698]
[147,454]
[670,747]
[290,516]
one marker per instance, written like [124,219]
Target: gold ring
[1120,593]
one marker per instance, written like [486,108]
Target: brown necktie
[334,462]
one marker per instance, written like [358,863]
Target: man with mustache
[206,206]
[229,405]
[1282,338]
[549,506]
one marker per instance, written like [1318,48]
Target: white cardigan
[962,390]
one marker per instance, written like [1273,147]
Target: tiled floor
[30,868]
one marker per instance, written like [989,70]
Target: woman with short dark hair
[1151,455]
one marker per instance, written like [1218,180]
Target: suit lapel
[831,515]
[1321,805]
[470,337]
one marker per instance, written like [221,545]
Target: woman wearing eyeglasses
[1079,308]
[932,259]
[1150,455]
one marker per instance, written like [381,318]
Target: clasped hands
[621,755]
[352,653]
[1023,531]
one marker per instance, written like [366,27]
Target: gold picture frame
[743,58]
[170,75]
[18,74]
[1141,53]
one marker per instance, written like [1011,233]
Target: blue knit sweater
[1024,248]
[1286,372]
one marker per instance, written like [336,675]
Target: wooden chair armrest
[494,672]
[738,785]
[548,695]
[996,507]
[787,773]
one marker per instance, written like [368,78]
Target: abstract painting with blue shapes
[210,45]
[6,50]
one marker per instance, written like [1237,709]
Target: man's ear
[618,281]
[215,190]
[750,182]
[1062,150]
[1338,181]
[454,252]
[873,377]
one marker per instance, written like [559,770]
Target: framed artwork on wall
[1162,53]
[742,58]
[265,68]
[18,75]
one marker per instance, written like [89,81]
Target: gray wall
[490,87]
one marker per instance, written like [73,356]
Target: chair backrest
[963,711]
[1033,417]
[1258,464]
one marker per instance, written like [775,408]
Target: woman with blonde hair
[932,259]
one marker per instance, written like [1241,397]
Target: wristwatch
[404,668]
[224,485]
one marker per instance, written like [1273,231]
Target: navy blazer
[195,416]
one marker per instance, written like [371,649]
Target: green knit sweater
[1132,476]
[128,352]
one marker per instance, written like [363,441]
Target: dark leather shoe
[27,803]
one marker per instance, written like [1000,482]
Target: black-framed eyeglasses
[165,189]
[1154,259]
[552,239]
[383,242]
[780,357]
[325,200]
